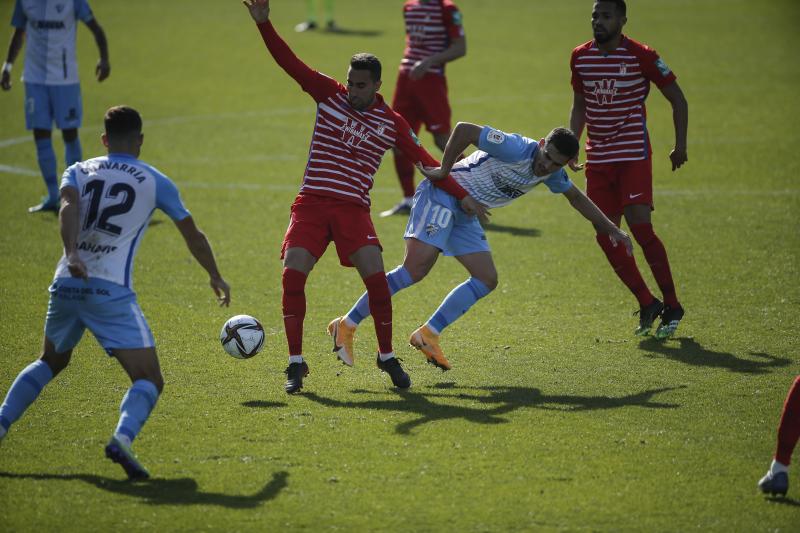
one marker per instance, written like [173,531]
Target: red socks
[625,267]
[294,308]
[405,173]
[789,428]
[656,256]
[380,306]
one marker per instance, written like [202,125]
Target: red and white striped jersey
[347,145]
[430,28]
[615,87]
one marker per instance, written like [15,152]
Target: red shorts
[317,220]
[612,186]
[423,101]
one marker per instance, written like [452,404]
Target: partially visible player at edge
[505,167]
[353,129]
[52,88]
[776,480]
[434,36]
[106,205]
[611,77]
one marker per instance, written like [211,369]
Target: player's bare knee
[56,361]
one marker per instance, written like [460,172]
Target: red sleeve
[653,67]
[318,85]
[410,146]
[453,21]
[577,83]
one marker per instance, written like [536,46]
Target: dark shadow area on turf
[494,403]
[692,353]
[783,500]
[264,404]
[512,230]
[181,491]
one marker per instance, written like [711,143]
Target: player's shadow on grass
[692,352]
[512,230]
[351,32]
[495,402]
[783,500]
[183,491]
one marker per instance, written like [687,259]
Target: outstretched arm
[103,68]
[317,85]
[17,38]
[201,250]
[680,118]
[68,221]
[592,213]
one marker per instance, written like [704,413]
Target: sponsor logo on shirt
[354,133]
[506,188]
[495,137]
[623,69]
[48,24]
[604,91]
[662,67]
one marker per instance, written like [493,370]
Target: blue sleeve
[508,147]
[83,11]
[558,182]
[68,178]
[19,19]
[168,199]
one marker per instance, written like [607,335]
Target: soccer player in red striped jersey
[354,128]
[776,480]
[434,36]
[611,77]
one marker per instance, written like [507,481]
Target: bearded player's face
[607,22]
[361,88]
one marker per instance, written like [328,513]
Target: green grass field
[555,417]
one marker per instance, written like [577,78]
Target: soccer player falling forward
[354,128]
[611,77]
[106,205]
[776,481]
[504,167]
[434,36]
[52,88]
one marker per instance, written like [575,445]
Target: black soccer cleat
[669,322]
[122,454]
[774,483]
[648,315]
[295,373]
[392,366]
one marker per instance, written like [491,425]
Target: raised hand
[259,9]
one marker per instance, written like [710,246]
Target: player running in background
[504,167]
[311,17]
[776,481]
[354,128]
[434,36]
[106,205]
[52,89]
[611,77]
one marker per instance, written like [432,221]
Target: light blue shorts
[110,311]
[47,103]
[437,219]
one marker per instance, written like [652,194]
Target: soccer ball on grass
[242,336]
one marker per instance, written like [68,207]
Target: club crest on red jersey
[604,91]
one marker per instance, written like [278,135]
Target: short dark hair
[564,140]
[619,5]
[123,122]
[365,61]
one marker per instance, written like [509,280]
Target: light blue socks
[398,279]
[24,391]
[136,406]
[457,303]
[47,164]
